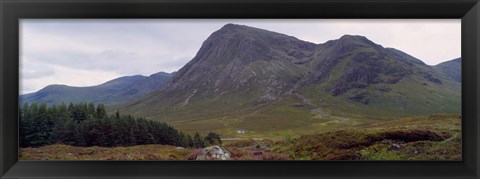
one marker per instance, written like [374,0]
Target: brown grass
[423,138]
[140,152]
[240,154]
[436,137]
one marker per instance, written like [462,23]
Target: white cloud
[89,52]
[35,70]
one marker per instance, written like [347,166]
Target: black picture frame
[13,10]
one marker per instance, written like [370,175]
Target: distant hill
[451,68]
[254,79]
[112,92]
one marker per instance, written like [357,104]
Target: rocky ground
[213,153]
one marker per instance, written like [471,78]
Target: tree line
[86,125]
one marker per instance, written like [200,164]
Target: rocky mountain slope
[245,77]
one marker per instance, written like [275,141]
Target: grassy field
[435,137]
[139,152]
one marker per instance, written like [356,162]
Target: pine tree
[183,140]
[84,125]
[101,112]
[63,113]
[189,141]
[79,112]
[91,109]
[24,125]
[213,139]
[117,114]
[198,141]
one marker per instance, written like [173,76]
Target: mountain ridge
[112,92]
[241,72]
[451,68]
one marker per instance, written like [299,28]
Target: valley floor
[435,137]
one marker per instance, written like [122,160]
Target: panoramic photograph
[240,89]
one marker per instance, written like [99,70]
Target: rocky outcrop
[213,153]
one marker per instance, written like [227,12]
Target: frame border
[13,10]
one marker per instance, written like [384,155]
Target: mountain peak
[356,39]
[160,74]
[243,30]
[352,41]
[54,87]
[232,26]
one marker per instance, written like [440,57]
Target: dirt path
[188,98]
[319,111]
[241,138]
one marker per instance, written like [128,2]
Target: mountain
[451,68]
[112,92]
[254,79]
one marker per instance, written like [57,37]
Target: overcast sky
[91,52]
